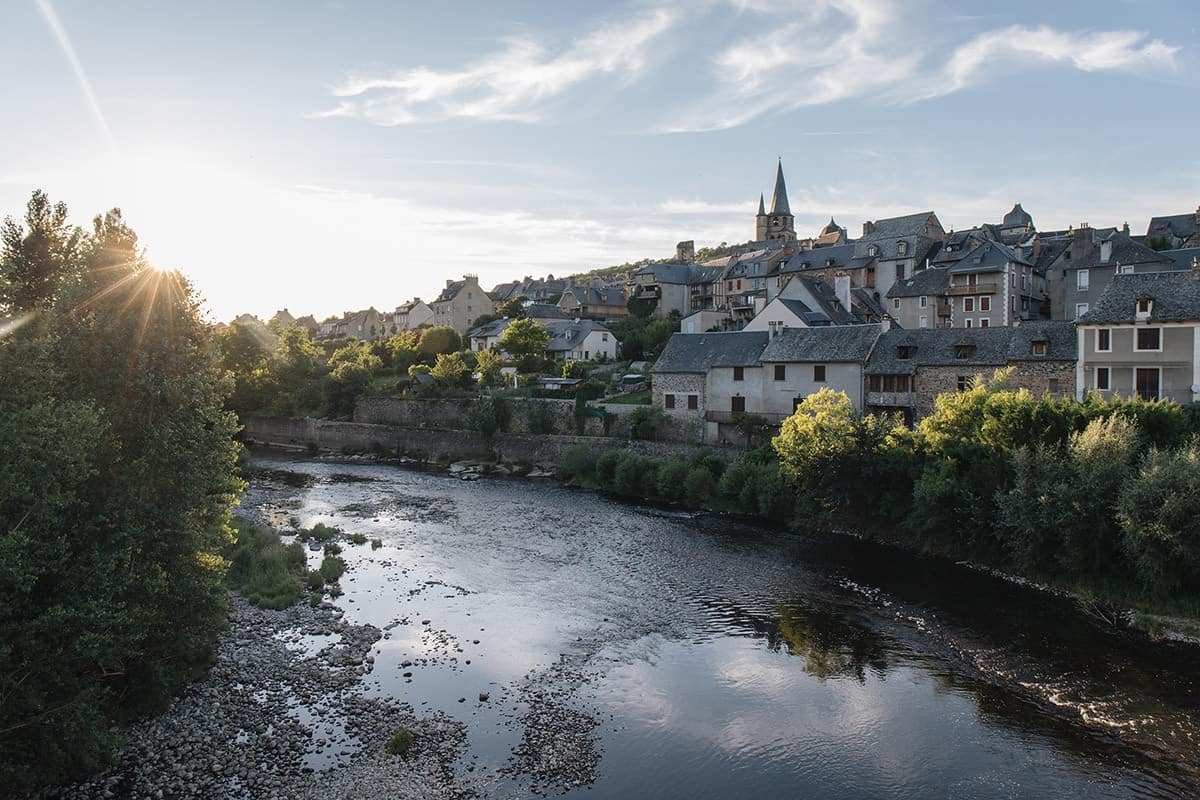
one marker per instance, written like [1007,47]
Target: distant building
[778,223]
[461,303]
[412,315]
[1174,232]
[1082,270]
[603,303]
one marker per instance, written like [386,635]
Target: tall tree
[38,259]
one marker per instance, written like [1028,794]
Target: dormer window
[904,351]
[964,351]
[872,250]
[1144,306]
[1040,348]
[901,248]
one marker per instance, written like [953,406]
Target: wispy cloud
[85,85]
[512,84]
[833,50]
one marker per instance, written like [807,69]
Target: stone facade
[461,303]
[1056,377]
[681,386]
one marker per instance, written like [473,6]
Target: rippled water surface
[703,657]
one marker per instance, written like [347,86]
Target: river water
[684,655]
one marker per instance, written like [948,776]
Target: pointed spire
[762,211]
[779,201]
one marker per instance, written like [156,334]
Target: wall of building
[1179,360]
[1056,377]
[702,321]
[798,382]
[680,384]
[720,388]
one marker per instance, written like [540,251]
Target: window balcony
[983,287]
[894,399]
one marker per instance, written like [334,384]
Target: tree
[117,474]
[487,364]
[450,369]
[405,350]
[38,261]
[524,338]
[512,309]
[440,339]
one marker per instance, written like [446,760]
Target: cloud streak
[513,84]
[85,85]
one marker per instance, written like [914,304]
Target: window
[1146,382]
[818,373]
[737,405]
[985,322]
[1040,348]
[923,322]
[962,383]
[780,372]
[1101,381]
[985,304]
[1052,385]
[1103,340]
[604,337]
[1144,306]
[964,351]
[739,373]
[872,250]
[901,249]
[896,303]
[1083,280]
[1125,269]
[669,400]
[1080,309]
[693,402]
[900,272]
[968,323]
[924,301]
[904,351]
[968,304]
[1148,339]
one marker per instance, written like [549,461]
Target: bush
[735,477]
[357,538]
[672,479]
[332,568]
[1159,514]
[489,415]
[539,417]
[646,422]
[401,742]
[578,463]
[332,549]
[699,486]
[635,476]
[316,581]
[574,369]
[319,532]
[606,467]
[376,544]
[266,571]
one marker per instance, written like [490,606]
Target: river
[677,655]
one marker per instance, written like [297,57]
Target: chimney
[685,252]
[841,287]
[1125,228]
[868,226]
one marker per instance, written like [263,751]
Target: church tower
[778,223]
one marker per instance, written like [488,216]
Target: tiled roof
[1183,259]
[979,347]
[835,256]
[836,343]
[931,282]
[569,334]
[697,352]
[451,291]
[1179,225]
[1059,335]
[1176,296]
[988,257]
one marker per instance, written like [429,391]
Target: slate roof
[451,291]
[932,281]
[673,272]
[866,304]
[779,201]
[595,296]
[1182,226]
[1182,258]
[988,257]
[838,343]
[991,347]
[1125,251]
[841,256]
[1017,216]
[697,352]
[1176,296]
[1049,250]
[956,245]
[504,291]
[544,311]
[493,328]
[569,334]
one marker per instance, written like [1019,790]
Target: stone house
[908,369]
[366,326]
[1078,276]
[1142,338]
[891,249]
[412,315]
[461,303]
[994,285]
[595,302]
[570,339]
[710,375]
[798,362]
[808,301]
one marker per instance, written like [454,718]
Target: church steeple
[779,202]
[778,223]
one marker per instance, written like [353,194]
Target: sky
[330,156]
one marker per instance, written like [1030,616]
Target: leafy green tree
[405,350]
[440,339]
[524,338]
[450,370]
[40,258]
[512,309]
[487,364]
[1159,514]
[574,369]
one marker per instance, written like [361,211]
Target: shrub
[440,340]
[672,479]
[332,548]
[357,538]
[646,422]
[316,581]
[606,467]
[376,544]
[334,589]
[699,486]
[266,571]
[489,415]
[578,463]
[319,532]
[635,476]
[539,417]
[574,369]
[735,477]
[332,568]
[1159,514]
[401,742]
[711,462]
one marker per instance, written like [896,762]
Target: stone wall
[1032,375]
[446,445]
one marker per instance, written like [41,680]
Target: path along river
[649,653]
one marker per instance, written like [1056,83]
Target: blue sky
[331,156]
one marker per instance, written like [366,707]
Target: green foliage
[440,340]
[578,463]
[488,364]
[450,370]
[405,350]
[118,469]
[699,486]
[539,417]
[489,415]
[635,476]
[376,544]
[357,538]
[512,309]
[524,338]
[642,337]
[332,568]
[1159,514]
[606,467]
[672,479]
[266,571]
[574,369]
[646,422]
[401,742]
[315,580]
[319,532]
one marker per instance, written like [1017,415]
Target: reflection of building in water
[830,647]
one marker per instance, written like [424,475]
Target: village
[893,318]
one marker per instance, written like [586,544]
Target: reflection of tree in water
[832,647]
